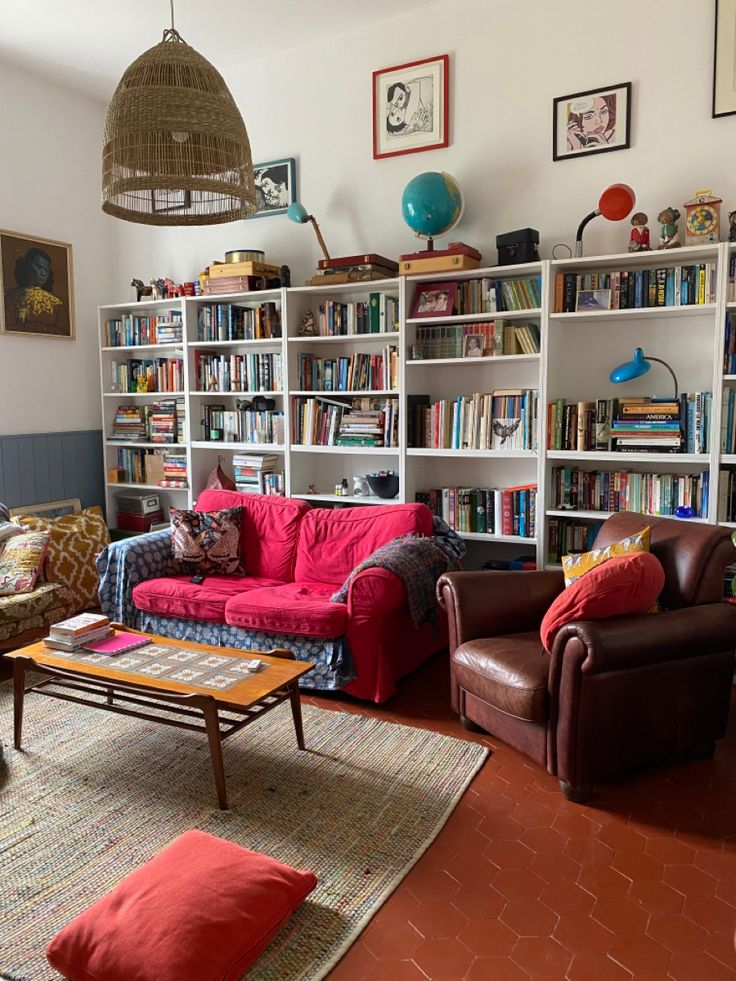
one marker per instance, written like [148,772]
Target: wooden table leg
[19,684]
[296,711]
[212,723]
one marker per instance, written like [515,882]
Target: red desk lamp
[615,203]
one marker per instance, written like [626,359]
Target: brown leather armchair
[612,694]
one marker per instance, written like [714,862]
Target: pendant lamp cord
[171,4]
[171,33]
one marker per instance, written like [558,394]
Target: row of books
[230,322]
[728,420]
[159,422]
[491,339]
[132,463]
[132,329]
[257,474]
[729,350]
[667,286]
[623,490]
[378,315]
[354,373]
[366,421]
[504,419]
[631,425]
[147,375]
[221,425]
[731,293]
[485,510]
[727,496]
[238,372]
[566,535]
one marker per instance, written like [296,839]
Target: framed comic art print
[410,107]
[596,121]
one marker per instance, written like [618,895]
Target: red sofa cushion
[269,530]
[628,584]
[293,608]
[331,543]
[202,910]
[178,596]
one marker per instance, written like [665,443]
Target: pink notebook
[120,643]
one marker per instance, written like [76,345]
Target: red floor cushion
[292,608]
[178,596]
[628,584]
[202,910]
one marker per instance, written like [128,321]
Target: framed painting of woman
[37,286]
[596,121]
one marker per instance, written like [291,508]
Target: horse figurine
[141,289]
[172,291]
[158,289]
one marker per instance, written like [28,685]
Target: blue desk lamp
[298,213]
[639,366]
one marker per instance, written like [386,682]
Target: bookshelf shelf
[393,335]
[474,454]
[203,444]
[348,499]
[495,359]
[635,313]
[144,347]
[343,450]
[638,260]
[351,393]
[602,515]
[625,459]
[142,395]
[259,342]
[219,394]
[144,446]
[147,487]
[474,318]
[477,536]
[728,458]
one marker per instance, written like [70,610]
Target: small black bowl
[383,485]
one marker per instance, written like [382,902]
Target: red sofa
[295,558]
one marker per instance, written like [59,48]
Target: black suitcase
[519,246]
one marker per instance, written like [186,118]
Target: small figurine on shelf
[669,237]
[307,328]
[141,290]
[639,240]
[732,226]
[212,383]
[311,489]
[141,383]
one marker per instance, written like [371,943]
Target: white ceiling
[87,44]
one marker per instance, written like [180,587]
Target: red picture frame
[411,107]
[434,300]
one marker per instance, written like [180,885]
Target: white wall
[508,61]
[50,187]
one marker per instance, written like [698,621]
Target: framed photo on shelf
[437,300]
[724,59]
[473,345]
[591,122]
[587,300]
[37,286]
[411,107]
[275,183]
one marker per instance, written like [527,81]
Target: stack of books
[251,471]
[644,425]
[162,422]
[352,269]
[129,425]
[71,635]
[175,471]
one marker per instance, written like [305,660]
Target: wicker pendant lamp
[175,149]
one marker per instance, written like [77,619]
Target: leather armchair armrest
[375,592]
[484,604]
[621,643]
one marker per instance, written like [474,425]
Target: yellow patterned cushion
[575,566]
[74,542]
[21,560]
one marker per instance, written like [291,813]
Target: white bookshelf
[577,352]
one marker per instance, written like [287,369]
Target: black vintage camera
[519,246]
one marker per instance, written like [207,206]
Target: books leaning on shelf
[666,286]
[74,633]
[255,474]
[494,338]
[238,372]
[729,349]
[727,496]
[631,425]
[230,322]
[573,489]
[147,375]
[221,425]
[357,372]
[365,421]
[133,329]
[487,295]
[566,535]
[504,419]
[485,510]
[377,315]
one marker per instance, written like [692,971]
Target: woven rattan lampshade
[175,149]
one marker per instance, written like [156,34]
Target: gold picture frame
[37,286]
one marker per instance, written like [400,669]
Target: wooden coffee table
[148,698]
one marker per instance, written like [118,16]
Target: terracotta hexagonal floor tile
[620,915]
[720,944]
[603,881]
[443,960]
[495,969]
[555,868]
[504,826]
[596,967]
[384,938]
[543,840]
[518,884]
[677,932]
[721,864]
[533,815]
[637,865]
[575,825]
[529,918]
[656,897]
[435,921]
[710,912]
[618,835]
[358,964]
[507,854]
[689,880]
[479,903]
[473,870]
[567,899]
[670,851]
[542,957]
[582,934]
[589,851]
[726,890]
[693,965]
[640,955]
[488,938]
[431,885]
[398,970]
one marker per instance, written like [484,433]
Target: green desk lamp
[298,213]
[639,366]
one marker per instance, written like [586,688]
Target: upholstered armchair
[612,694]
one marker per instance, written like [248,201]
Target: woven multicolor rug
[94,795]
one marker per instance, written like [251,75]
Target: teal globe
[432,203]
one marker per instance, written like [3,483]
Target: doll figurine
[669,237]
[732,226]
[639,240]
[307,328]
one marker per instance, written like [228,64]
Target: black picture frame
[563,136]
[281,175]
[725,12]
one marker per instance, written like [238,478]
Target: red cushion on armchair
[628,584]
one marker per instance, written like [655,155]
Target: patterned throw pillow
[207,541]
[575,566]
[21,561]
[75,540]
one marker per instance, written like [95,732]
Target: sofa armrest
[122,565]
[375,592]
[622,643]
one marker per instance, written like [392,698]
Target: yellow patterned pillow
[575,566]
[21,559]
[75,540]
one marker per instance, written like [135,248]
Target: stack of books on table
[71,635]
[253,472]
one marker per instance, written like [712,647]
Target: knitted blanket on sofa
[418,562]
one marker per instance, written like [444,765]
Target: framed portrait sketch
[591,122]
[411,107]
[37,286]
[437,300]
[275,186]
[724,59]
